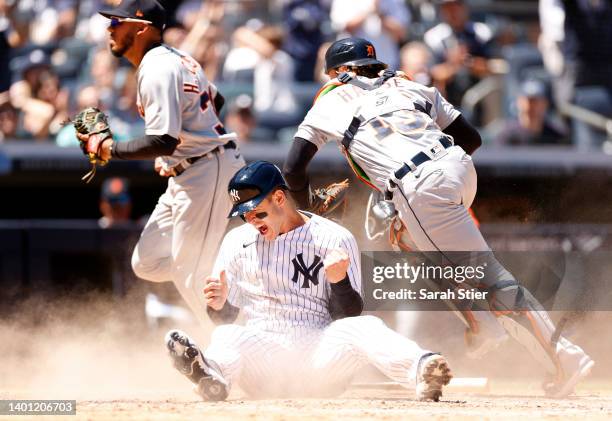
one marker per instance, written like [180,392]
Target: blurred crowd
[523,75]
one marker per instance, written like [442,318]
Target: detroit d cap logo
[370,50]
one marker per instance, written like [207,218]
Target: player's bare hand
[159,168]
[82,137]
[216,291]
[336,265]
[105,149]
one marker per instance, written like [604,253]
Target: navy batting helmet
[351,52]
[251,184]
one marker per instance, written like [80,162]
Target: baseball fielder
[406,140]
[184,134]
[296,277]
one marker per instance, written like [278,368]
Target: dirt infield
[593,402]
[114,364]
[591,406]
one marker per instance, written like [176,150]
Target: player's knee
[226,333]
[510,296]
[362,322]
[368,320]
[149,269]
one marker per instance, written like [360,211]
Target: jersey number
[411,123]
[204,100]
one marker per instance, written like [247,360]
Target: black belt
[419,159]
[414,162]
[180,168]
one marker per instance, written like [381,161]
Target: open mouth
[263,229]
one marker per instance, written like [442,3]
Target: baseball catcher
[408,142]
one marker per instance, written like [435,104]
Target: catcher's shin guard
[188,360]
[525,320]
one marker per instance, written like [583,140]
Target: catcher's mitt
[94,123]
[324,200]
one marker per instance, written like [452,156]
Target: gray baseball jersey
[182,235]
[280,285]
[400,118]
[176,98]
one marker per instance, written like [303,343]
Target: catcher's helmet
[351,52]
[251,184]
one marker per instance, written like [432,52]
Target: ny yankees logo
[310,273]
[370,50]
[234,195]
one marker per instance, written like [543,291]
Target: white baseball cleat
[433,373]
[565,387]
[188,359]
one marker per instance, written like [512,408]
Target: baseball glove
[324,200]
[93,123]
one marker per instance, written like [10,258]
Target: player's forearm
[394,28]
[344,300]
[464,134]
[226,315]
[147,147]
[356,23]
[255,41]
[294,170]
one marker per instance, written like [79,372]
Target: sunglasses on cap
[258,215]
[114,21]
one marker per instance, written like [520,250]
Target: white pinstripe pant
[319,363]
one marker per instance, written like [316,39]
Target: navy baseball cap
[533,88]
[251,184]
[35,58]
[148,11]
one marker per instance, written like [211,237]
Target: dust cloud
[85,349]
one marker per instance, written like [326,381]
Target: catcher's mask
[351,52]
[251,184]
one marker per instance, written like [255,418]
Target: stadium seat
[525,62]
[599,100]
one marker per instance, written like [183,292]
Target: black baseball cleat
[188,359]
[433,373]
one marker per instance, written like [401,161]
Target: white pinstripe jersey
[280,285]
[399,119]
[175,98]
